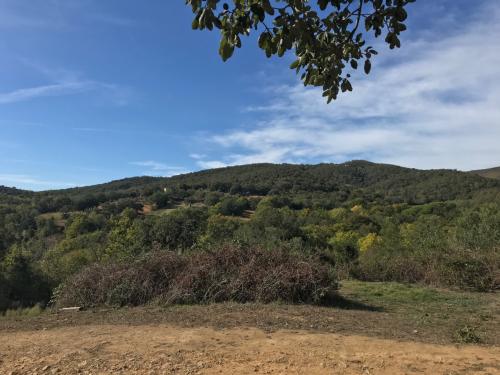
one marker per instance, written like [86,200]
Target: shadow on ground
[340,302]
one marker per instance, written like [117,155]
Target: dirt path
[166,349]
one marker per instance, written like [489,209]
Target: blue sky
[93,90]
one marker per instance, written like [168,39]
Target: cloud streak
[437,106]
[156,168]
[115,93]
[32,181]
[43,91]
[58,15]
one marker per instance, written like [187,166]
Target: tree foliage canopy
[327,36]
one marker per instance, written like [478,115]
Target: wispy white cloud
[112,19]
[114,93]
[155,168]
[437,106]
[206,164]
[57,15]
[92,130]
[43,91]
[32,182]
[210,164]
[197,156]
[14,15]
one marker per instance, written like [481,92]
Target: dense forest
[99,244]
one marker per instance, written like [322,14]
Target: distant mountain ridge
[336,183]
[340,182]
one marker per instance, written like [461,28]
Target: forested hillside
[353,220]
[489,173]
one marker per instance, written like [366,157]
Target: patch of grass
[166,211]
[391,295]
[161,211]
[28,312]
[51,215]
[466,317]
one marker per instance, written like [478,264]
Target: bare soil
[164,349]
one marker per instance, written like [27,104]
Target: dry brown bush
[227,274]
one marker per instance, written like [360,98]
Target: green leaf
[195,24]
[368,66]
[225,49]
[295,64]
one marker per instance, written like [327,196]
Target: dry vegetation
[228,274]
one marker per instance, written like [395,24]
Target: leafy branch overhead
[326,35]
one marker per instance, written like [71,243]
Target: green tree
[4,292]
[479,228]
[72,254]
[179,229]
[128,236]
[24,284]
[327,36]
[220,229]
[344,246]
[161,199]
[81,223]
[232,206]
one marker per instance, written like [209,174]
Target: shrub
[228,274]
[121,284]
[378,266]
[161,199]
[28,311]
[471,270]
[24,285]
[180,229]
[4,293]
[454,268]
[231,206]
[220,229]
[251,275]
[468,335]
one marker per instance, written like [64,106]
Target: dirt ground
[167,349]
[377,328]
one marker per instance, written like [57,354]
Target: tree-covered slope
[355,178]
[334,182]
[488,173]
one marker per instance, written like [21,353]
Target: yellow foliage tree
[368,242]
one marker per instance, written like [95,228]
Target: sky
[93,91]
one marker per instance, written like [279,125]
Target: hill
[350,179]
[335,182]
[488,173]
[5,190]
